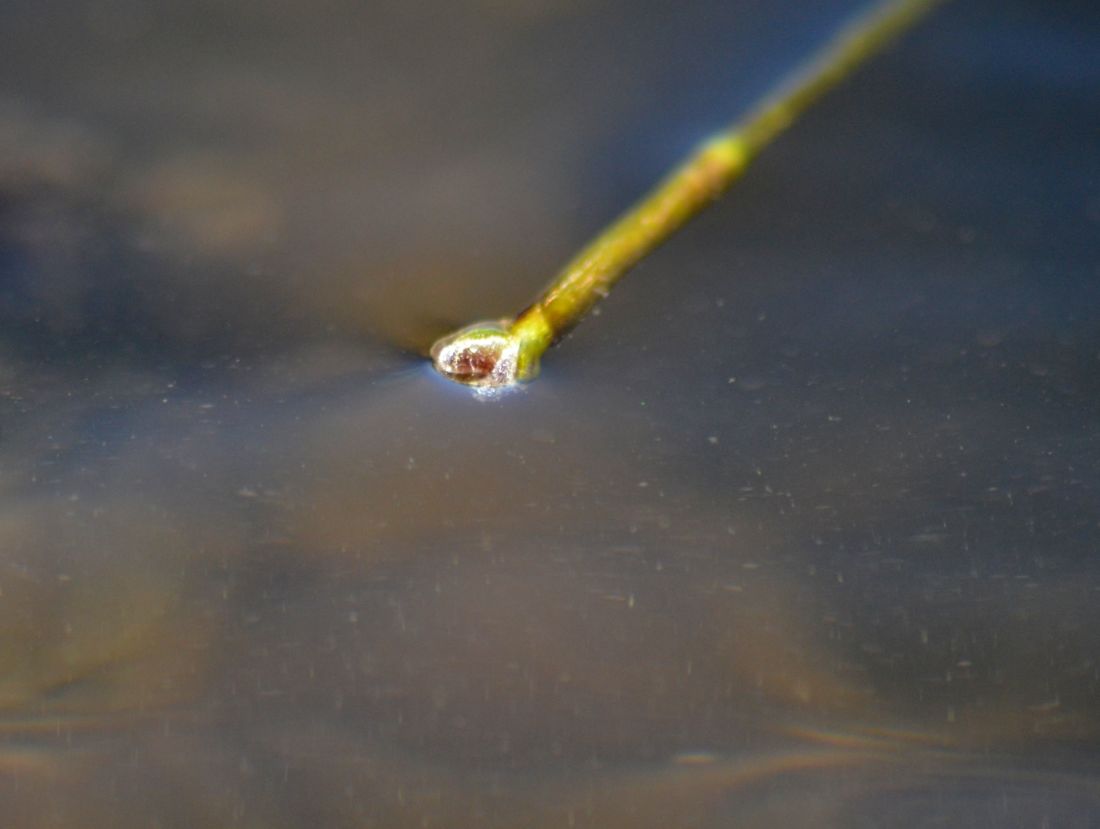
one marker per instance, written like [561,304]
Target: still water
[801,530]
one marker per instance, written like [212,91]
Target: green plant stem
[498,354]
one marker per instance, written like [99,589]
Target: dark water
[801,530]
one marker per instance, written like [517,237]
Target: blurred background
[799,530]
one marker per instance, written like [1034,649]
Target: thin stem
[497,354]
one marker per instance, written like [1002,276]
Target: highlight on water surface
[498,354]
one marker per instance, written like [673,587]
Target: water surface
[799,531]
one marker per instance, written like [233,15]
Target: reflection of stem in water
[498,354]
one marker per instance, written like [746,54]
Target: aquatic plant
[497,354]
